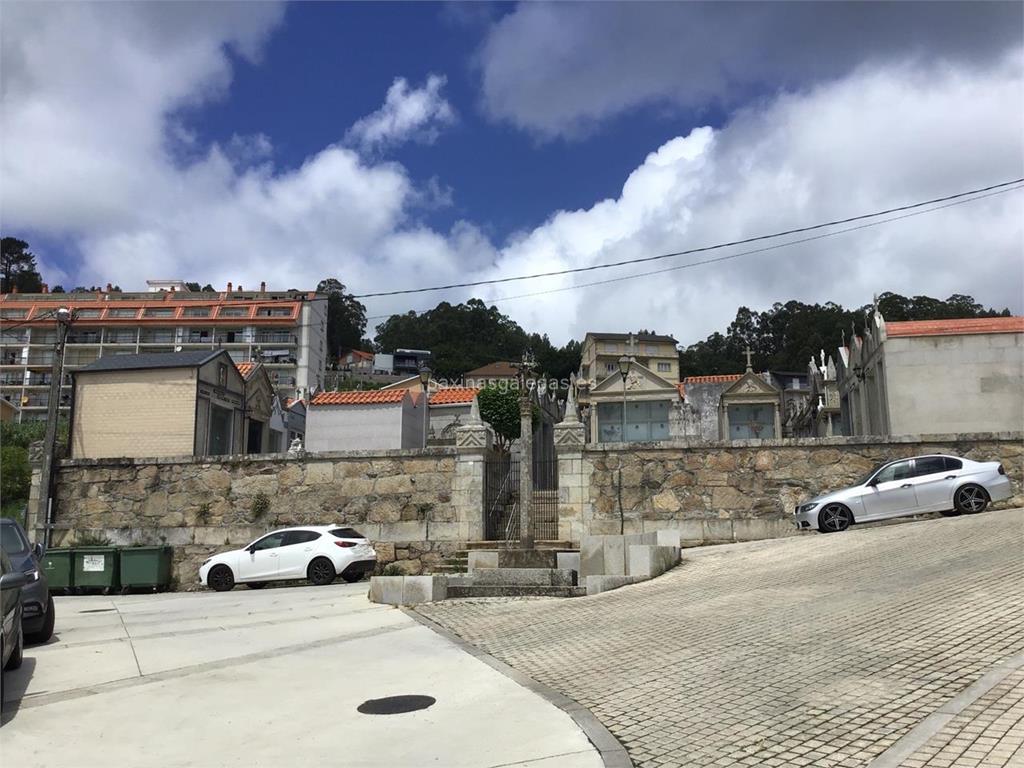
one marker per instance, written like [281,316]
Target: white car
[319,553]
[947,484]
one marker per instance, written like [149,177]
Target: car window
[898,471]
[11,539]
[347,533]
[270,542]
[299,537]
[5,563]
[953,463]
[929,465]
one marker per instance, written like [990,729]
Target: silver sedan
[945,484]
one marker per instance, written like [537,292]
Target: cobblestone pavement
[988,733]
[820,650]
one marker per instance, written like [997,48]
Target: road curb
[612,753]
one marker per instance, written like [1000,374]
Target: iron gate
[501,499]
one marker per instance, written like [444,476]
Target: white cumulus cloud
[91,115]
[408,114]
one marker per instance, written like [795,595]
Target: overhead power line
[701,249]
[727,257]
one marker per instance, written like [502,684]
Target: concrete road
[268,678]
[893,646]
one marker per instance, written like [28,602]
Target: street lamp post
[425,383]
[625,362]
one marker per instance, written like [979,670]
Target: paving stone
[821,650]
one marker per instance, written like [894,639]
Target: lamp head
[624,363]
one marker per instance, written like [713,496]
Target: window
[122,313]
[273,541]
[952,464]
[196,312]
[664,367]
[652,349]
[346,533]
[611,367]
[299,537]
[12,540]
[929,465]
[13,314]
[898,471]
[611,346]
[222,375]
[162,312]
[644,421]
[233,312]
[86,313]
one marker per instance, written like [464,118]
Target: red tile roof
[726,378]
[371,397]
[245,369]
[453,396]
[965,326]
[289,402]
[494,370]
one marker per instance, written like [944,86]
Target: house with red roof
[377,419]
[933,376]
[449,409]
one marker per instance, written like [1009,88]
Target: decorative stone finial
[474,411]
[570,407]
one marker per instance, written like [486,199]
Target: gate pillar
[474,444]
[573,479]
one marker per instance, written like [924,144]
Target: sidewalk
[269,678]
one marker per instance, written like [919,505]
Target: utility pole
[46,476]
[525,452]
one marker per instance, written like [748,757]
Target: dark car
[36,601]
[11,638]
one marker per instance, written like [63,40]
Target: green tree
[499,407]
[346,318]
[15,473]
[465,336]
[18,267]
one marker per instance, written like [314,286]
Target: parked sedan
[945,484]
[318,553]
[12,639]
[37,609]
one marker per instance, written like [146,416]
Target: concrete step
[542,544]
[524,577]
[444,568]
[506,590]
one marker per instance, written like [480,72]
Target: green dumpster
[57,568]
[95,568]
[146,567]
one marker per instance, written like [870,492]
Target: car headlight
[32,575]
[808,507]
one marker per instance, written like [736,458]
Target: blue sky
[401,145]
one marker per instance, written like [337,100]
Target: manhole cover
[97,610]
[395,705]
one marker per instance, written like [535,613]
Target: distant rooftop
[965,326]
[149,360]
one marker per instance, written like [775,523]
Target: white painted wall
[969,383]
[312,332]
[364,427]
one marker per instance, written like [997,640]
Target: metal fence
[501,499]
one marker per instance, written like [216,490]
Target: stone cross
[749,354]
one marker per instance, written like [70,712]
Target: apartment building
[285,330]
[637,407]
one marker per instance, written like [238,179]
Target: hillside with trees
[784,337]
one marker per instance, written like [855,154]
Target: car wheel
[971,499]
[16,655]
[352,578]
[321,572]
[221,579]
[46,631]
[834,518]
[255,584]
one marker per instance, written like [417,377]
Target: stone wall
[718,492]
[408,503]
